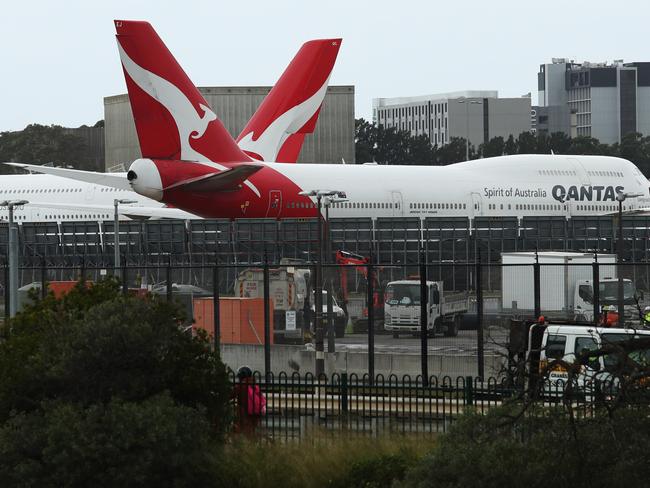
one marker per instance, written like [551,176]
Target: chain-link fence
[416,319]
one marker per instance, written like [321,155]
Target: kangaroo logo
[189,122]
[269,142]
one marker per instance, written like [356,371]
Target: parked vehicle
[290,292]
[566,286]
[402,305]
[557,346]
[339,317]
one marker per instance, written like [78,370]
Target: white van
[566,342]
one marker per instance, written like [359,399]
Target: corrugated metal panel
[332,140]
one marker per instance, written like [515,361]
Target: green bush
[101,389]
[151,443]
[491,451]
[95,344]
[376,471]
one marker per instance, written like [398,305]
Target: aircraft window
[464,206]
[502,206]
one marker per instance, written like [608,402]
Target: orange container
[60,288]
[241,319]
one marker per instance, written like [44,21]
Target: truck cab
[403,302]
[557,346]
[608,295]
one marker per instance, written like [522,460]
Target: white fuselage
[515,186]
[507,186]
[50,189]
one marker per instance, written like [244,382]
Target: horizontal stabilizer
[114,180]
[131,211]
[228,180]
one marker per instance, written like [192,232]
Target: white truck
[289,289]
[402,308]
[566,286]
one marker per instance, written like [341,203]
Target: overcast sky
[59,58]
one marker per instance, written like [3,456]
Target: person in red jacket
[250,403]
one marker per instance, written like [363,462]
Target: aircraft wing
[131,211]
[114,180]
[228,180]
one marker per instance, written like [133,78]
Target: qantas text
[586,193]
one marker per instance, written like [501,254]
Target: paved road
[465,342]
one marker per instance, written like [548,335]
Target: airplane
[201,169]
[276,130]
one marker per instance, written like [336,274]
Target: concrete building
[600,100]
[93,156]
[332,141]
[474,115]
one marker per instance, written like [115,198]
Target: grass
[334,463]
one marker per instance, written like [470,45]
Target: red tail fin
[277,130]
[173,120]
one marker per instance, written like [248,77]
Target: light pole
[331,335]
[318,288]
[467,103]
[621,197]
[116,232]
[13,255]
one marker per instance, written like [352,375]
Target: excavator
[360,264]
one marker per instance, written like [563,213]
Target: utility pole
[620,198]
[467,102]
[318,288]
[116,233]
[13,255]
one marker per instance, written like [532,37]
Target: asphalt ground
[466,342]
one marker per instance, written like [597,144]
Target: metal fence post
[469,390]
[124,273]
[43,279]
[595,285]
[267,321]
[169,280]
[537,287]
[344,393]
[480,346]
[216,311]
[371,321]
[424,321]
[7,292]
[331,334]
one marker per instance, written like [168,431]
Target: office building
[474,115]
[600,100]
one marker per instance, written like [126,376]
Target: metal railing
[303,408]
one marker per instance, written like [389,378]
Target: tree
[585,145]
[636,148]
[420,151]
[453,152]
[526,143]
[559,143]
[95,344]
[365,141]
[156,442]
[39,144]
[510,146]
[392,146]
[494,147]
[101,385]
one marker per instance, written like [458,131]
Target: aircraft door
[398,204]
[580,171]
[90,193]
[275,204]
[477,205]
